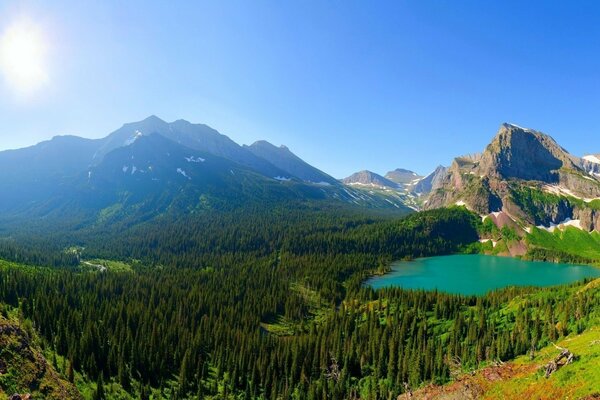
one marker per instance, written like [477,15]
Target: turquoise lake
[478,274]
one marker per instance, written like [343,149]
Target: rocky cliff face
[526,174]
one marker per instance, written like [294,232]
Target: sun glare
[22,57]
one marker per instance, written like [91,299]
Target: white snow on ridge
[282,178]
[576,223]
[520,127]
[371,185]
[555,189]
[182,172]
[194,159]
[125,168]
[392,203]
[322,183]
[592,158]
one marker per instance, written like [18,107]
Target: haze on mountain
[149,167]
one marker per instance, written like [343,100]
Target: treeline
[558,256]
[38,252]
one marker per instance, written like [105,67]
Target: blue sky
[347,85]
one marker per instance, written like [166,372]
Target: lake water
[478,274]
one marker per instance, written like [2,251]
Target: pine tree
[99,393]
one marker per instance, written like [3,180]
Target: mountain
[525,175]
[151,167]
[403,176]
[31,174]
[430,182]
[292,165]
[195,136]
[370,179]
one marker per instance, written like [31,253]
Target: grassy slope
[523,378]
[571,241]
[574,381]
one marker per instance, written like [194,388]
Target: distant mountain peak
[403,176]
[369,178]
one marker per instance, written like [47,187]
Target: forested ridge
[270,305]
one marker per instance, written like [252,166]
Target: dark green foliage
[197,315]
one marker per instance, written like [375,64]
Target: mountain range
[151,167]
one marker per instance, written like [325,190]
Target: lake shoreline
[476,274]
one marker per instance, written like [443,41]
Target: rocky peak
[522,153]
[518,173]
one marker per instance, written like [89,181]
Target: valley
[165,261]
[299,200]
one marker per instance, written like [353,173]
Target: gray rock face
[524,154]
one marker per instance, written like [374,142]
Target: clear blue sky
[347,85]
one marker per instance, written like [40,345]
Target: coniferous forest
[270,304]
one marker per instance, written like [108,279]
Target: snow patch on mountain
[562,225]
[592,159]
[561,191]
[136,135]
[519,127]
[193,159]
[182,172]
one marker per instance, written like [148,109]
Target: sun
[23,56]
